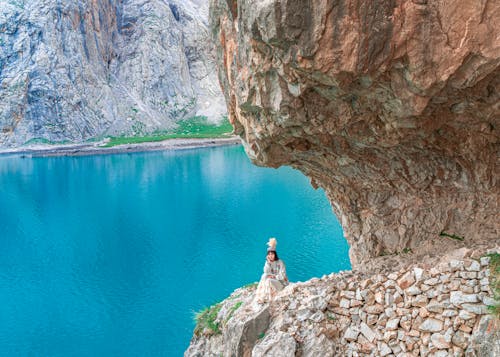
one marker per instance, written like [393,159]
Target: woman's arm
[267,269]
[268,272]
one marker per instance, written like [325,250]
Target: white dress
[273,280]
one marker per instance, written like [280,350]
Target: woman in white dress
[274,277]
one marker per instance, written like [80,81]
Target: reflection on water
[111,255]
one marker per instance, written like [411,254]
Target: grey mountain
[74,70]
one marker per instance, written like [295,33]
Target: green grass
[195,127]
[495,283]
[205,320]
[45,142]
[452,236]
[331,317]
[233,309]
[38,141]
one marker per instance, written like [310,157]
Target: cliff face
[75,70]
[392,107]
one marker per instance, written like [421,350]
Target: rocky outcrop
[73,70]
[392,107]
[241,335]
[419,310]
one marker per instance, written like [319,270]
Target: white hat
[272,244]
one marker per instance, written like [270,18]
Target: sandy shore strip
[97,148]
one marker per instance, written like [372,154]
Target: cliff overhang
[392,107]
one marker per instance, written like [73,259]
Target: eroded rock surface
[72,70]
[392,107]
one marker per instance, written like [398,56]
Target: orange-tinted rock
[392,107]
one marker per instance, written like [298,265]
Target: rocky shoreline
[98,148]
[421,309]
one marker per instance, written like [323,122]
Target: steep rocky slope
[393,107]
[72,70]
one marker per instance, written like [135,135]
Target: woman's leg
[261,292]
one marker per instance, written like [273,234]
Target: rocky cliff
[392,107]
[419,310]
[73,70]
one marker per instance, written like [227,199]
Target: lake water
[112,255]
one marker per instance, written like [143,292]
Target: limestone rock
[418,273]
[413,290]
[392,324]
[367,332]
[318,346]
[473,266]
[466,315]
[345,303]
[460,339]
[384,349]
[391,107]
[485,341]
[431,325]
[406,280]
[278,345]
[242,334]
[351,334]
[478,309]
[303,314]
[458,298]
[439,341]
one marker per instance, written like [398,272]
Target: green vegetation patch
[331,317]
[233,309]
[452,236]
[495,283]
[195,127]
[44,141]
[206,321]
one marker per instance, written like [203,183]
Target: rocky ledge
[420,310]
[391,106]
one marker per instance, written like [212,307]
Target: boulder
[243,331]
[458,298]
[279,344]
[431,325]
[485,341]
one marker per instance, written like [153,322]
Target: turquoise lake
[111,255]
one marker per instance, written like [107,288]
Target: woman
[274,278]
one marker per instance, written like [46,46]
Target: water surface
[111,255]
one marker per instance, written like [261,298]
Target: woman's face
[271,256]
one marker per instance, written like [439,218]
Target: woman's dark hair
[275,254]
